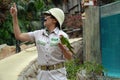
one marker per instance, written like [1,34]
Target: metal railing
[73,32]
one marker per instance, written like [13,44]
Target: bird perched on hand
[66,42]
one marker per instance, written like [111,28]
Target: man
[51,52]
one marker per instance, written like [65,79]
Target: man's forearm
[67,53]
[16,28]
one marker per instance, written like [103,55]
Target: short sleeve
[35,34]
[32,36]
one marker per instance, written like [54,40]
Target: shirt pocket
[54,41]
[40,42]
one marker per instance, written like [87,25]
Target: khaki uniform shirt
[49,53]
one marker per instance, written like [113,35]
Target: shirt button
[47,56]
[47,62]
[46,48]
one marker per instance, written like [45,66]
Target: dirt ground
[7,51]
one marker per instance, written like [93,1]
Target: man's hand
[67,53]
[13,10]
[62,47]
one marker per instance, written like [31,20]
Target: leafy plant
[72,67]
[73,21]
[27,12]
[92,67]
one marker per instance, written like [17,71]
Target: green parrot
[66,42]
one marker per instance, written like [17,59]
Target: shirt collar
[56,30]
[46,33]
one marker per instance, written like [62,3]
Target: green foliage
[72,68]
[40,5]
[6,32]
[92,67]
[27,12]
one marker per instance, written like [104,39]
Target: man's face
[49,20]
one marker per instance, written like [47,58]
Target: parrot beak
[61,36]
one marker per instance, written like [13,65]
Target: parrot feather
[66,42]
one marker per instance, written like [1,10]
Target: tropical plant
[5,22]
[28,11]
[91,70]
[72,68]
[73,21]
[92,67]
[73,25]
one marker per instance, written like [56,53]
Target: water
[110,44]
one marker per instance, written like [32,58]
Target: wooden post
[91,35]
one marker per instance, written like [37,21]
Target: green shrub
[92,67]
[72,68]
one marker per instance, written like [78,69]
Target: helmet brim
[47,12]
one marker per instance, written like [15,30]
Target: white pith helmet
[58,14]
